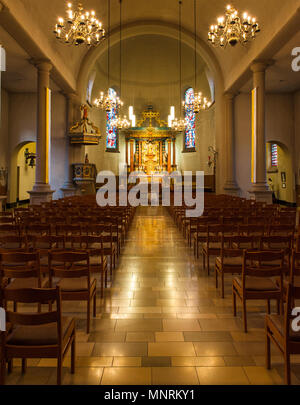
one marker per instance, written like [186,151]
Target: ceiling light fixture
[232,29]
[79,27]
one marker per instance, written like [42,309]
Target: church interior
[145,294]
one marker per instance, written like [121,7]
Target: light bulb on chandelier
[108,102]
[121,123]
[178,125]
[79,28]
[232,29]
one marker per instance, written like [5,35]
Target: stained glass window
[274,155]
[111,130]
[190,118]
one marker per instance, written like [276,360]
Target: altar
[151,146]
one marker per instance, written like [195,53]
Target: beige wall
[4,129]
[280,127]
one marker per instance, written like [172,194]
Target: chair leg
[268,307]
[88,320]
[73,354]
[24,366]
[59,369]
[245,315]
[207,264]
[287,368]
[2,370]
[216,275]
[234,302]
[203,260]
[223,288]
[102,282]
[268,351]
[9,366]
[95,305]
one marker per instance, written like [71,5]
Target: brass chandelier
[232,29]
[200,103]
[108,101]
[79,27]
[179,124]
[121,122]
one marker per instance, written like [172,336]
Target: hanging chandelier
[121,123]
[232,29]
[200,103]
[79,27]
[179,124]
[108,101]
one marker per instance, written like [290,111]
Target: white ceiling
[39,16]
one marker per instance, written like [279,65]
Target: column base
[231,188]
[40,193]
[261,193]
[68,190]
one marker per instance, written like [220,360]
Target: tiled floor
[163,322]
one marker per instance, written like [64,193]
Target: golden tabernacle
[150,146]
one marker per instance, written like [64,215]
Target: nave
[163,322]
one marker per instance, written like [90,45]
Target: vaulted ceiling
[29,24]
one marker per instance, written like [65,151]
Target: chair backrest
[263,263]
[47,242]
[20,265]
[68,230]
[12,242]
[282,230]
[38,229]
[252,230]
[276,242]
[9,229]
[34,296]
[293,294]
[295,266]
[68,264]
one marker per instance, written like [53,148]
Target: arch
[281,177]
[13,173]
[149,27]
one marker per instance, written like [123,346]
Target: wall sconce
[30,158]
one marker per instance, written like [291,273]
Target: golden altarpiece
[151,145]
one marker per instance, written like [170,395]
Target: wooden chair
[257,282]
[109,246]
[73,271]
[279,330]
[22,270]
[213,244]
[98,262]
[41,335]
[9,229]
[281,230]
[12,242]
[37,230]
[277,243]
[43,244]
[231,259]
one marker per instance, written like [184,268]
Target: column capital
[261,65]
[43,65]
[230,95]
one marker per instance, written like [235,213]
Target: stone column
[260,190]
[169,155]
[174,152]
[68,188]
[41,191]
[126,152]
[230,186]
[131,155]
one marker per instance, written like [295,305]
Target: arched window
[274,155]
[111,130]
[190,118]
